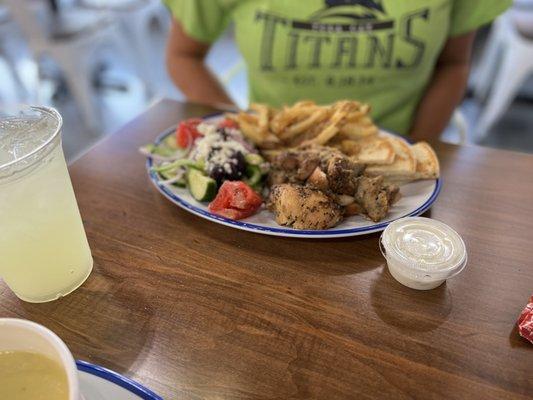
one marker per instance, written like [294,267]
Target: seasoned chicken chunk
[327,174]
[303,207]
[342,175]
[298,166]
[374,197]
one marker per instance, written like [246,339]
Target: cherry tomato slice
[235,200]
[187,132]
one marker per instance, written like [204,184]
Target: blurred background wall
[101,62]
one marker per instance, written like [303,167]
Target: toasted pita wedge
[375,151]
[404,165]
[427,163]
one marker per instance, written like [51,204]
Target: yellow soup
[31,376]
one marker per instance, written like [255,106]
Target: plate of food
[306,170]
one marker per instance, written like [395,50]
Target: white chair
[12,87]
[458,121]
[74,40]
[146,24]
[9,92]
[522,14]
[505,65]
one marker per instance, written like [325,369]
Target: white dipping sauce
[422,253]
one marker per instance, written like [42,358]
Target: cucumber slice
[164,151]
[171,142]
[199,165]
[167,174]
[201,187]
[254,175]
[254,159]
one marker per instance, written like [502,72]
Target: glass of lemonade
[44,252]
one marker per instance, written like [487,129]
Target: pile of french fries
[346,125]
[305,122]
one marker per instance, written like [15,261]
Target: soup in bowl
[35,364]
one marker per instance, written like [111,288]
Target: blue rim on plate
[111,376]
[267,230]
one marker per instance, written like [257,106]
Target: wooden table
[196,310]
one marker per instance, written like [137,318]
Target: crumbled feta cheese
[216,149]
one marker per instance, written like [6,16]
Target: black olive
[237,169]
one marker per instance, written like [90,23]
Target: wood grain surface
[195,310]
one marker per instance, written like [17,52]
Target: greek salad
[215,163]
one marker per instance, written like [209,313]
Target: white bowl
[23,335]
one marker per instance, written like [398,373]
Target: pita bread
[372,150]
[403,166]
[427,163]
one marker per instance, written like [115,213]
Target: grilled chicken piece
[292,166]
[307,166]
[297,166]
[393,193]
[318,179]
[342,175]
[339,178]
[373,196]
[303,207]
[352,209]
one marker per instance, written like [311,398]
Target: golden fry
[357,131]
[350,147]
[303,103]
[342,109]
[249,118]
[262,115]
[355,116]
[289,115]
[366,121]
[251,131]
[365,108]
[324,136]
[305,124]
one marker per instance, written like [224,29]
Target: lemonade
[44,252]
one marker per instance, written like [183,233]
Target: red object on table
[525,321]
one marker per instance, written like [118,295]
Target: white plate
[417,197]
[98,383]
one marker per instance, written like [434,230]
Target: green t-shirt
[382,52]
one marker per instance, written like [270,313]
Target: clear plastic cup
[422,253]
[43,246]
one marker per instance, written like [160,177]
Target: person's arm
[185,63]
[445,90]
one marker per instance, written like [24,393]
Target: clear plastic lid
[424,246]
[27,134]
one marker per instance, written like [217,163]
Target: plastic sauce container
[422,253]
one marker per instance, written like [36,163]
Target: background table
[196,310]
